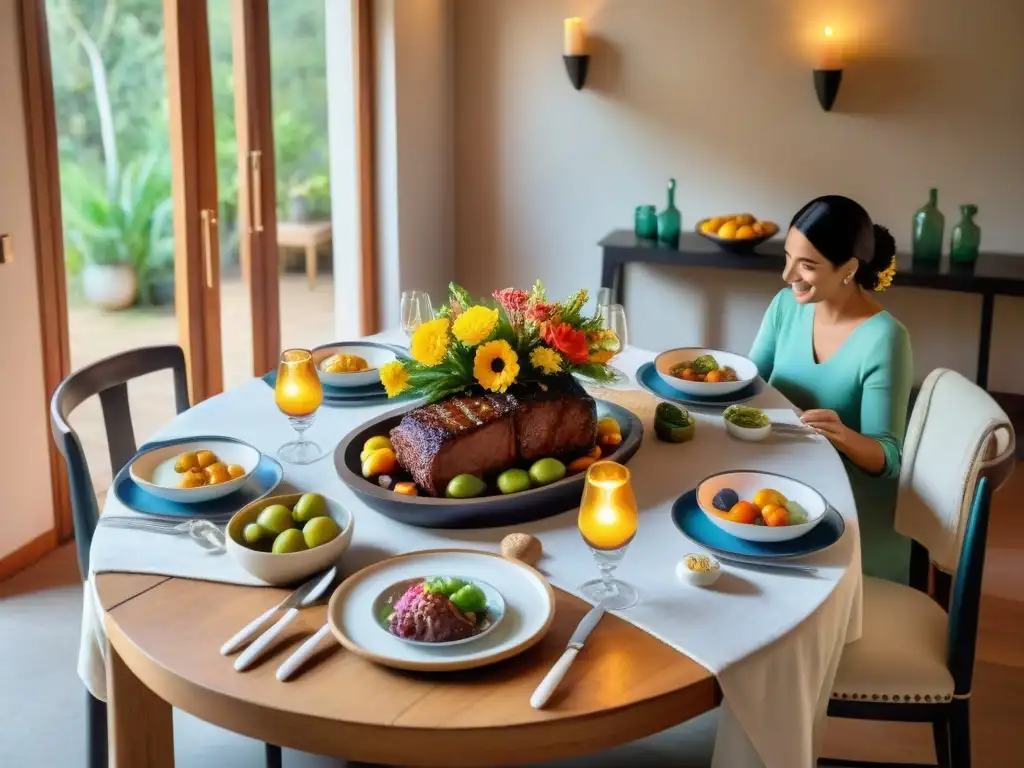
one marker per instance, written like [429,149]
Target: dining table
[763,645]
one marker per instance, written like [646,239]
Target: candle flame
[607,516]
[828,31]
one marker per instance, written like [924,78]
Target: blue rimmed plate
[263,480]
[691,520]
[648,378]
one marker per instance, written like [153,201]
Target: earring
[847,279]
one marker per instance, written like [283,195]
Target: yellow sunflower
[475,324]
[429,342]
[496,366]
[394,377]
[546,359]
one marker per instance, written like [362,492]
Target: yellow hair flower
[546,359]
[429,342]
[496,366]
[884,279]
[394,377]
[475,324]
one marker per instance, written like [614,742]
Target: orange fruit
[715,223]
[728,230]
[770,227]
[714,377]
[758,228]
[767,496]
[745,218]
[708,227]
[407,489]
[745,232]
[742,512]
[775,515]
[380,462]
[580,464]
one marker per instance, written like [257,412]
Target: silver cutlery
[202,531]
[554,677]
[766,564]
[303,653]
[305,596]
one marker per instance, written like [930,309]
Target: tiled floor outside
[307,319]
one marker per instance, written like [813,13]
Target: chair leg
[96,731]
[960,734]
[273,756]
[940,732]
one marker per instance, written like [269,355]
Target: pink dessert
[429,618]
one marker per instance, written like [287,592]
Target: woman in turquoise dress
[841,358]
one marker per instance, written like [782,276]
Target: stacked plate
[148,483]
[359,387]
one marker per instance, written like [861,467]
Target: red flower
[539,313]
[512,300]
[568,341]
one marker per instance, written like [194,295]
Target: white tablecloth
[772,639]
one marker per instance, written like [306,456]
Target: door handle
[209,220]
[6,252]
[256,189]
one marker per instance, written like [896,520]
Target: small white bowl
[745,369]
[698,578]
[749,434]
[748,482]
[153,471]
[294,566]
[374,356]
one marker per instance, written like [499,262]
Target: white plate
[529,610]
[745,369]
[375,357]
[748,482]
[153,471]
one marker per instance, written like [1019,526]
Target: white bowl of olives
[285,539]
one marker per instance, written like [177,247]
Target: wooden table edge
[408,745]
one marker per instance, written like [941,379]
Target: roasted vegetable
[705,364]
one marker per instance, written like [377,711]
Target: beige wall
[718,94]
[25,497]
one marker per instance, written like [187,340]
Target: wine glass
[602,300]
[298,394]
[416,310]
[613,317]
[608,521]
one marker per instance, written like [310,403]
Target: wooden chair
[109,379]
[914,661]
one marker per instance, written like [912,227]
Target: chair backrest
[963,610]
[109,379]
[957,434]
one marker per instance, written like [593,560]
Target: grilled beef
[485,434]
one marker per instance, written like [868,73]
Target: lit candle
[575,37]
[608,514]
[831,56]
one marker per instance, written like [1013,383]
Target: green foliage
[134,226]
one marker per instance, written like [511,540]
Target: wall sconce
[829,72]
[575,56]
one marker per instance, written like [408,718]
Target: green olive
[465,487]
[320,530]
[276,518]
[514,481]
[547,471]
[253,532]
[289,541]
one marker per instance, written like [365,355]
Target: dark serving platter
[484,511]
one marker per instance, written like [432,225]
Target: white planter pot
[109,286]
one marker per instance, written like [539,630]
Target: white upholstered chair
[914,662]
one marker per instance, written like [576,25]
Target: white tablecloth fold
[772,639]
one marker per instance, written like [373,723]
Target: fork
[202,531]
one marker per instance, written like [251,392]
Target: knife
[307,594]
[766,564]
[554,677]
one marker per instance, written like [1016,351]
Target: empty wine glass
[602,299]
[614,319]
[416,310]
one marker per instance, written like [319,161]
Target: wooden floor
[307,319]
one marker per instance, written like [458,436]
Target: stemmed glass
[613,317]
[602,300]
[416,310]
[608,521]
[298,394]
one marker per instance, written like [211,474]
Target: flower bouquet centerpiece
[517,337]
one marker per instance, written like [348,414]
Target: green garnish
[443,585]
[673,424]
[744,416]
[705,364]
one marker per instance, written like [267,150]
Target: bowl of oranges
[736,232]
[760,506]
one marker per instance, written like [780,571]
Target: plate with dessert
[352,363]
[486,460]
[442,610]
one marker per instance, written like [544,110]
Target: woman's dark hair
[841,230]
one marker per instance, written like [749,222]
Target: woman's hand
[826,423]
[865,452]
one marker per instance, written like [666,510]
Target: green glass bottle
[645,222]
[929,224]
[966,239]
[670,221]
